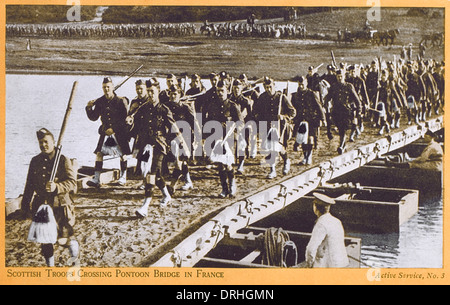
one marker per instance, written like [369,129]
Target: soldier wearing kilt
[273,107]
[136,103]
[223,111]
[309,115]
[245,105]
[152,124]
[114,136]
[345,107]
[184,115]
[51,202]
[360,87]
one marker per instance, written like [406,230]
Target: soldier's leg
[123,170]
[223,176]
[95,182]
[48,253]
[232,186]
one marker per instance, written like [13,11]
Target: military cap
[339,72]
[330,67]
[343,65]
[152,82]
[223,74]
[351,67]
[373,62]
[41,133]
[195,76]
[221,84]
[107,80]
[243,76]
[171,76]
[302,79]
[139,82]
[212,75]
[311,68]
[323,199]
[268,80]
[237,82]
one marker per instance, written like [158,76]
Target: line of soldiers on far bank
[347,97]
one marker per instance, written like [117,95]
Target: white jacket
[326,247]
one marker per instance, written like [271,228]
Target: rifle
[333,59]
[317,68]
[128,77]
[61,133]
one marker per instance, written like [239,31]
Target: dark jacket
[39,173]
[113,115]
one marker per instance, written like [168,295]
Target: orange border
[231,276]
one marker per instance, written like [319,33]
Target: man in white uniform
[326,248]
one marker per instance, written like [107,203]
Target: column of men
[354,95]
[173,126]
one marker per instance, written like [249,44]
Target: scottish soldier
[274,110]
[114,132]
[184,115]
[136,103]
[226,113]
[360,87]
[345,107]
[50,202]
[309,115]
[246,107]
[152,124]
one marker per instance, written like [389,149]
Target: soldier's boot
[50,261]
[143,210]
[123,173]
[273,172]
[166,197]
[240,169]
[74,249]
[286,166]
[95,182]
[233,187]
[188,182]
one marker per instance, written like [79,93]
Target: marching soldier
[345,107]
[171,80]
[245,105]
[224,111]
[414,93]
[183,113]
[360,88]
[274,107]
[136,103]
[39,191]
[309,117]
[113,140]
[152,124]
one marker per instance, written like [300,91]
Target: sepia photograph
[186,143]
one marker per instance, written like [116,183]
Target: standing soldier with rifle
[51,180]
[345,107]
[113,140]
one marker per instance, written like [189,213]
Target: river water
[35,101]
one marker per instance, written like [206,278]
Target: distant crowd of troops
[345,98]
[101,30]
[226,29]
